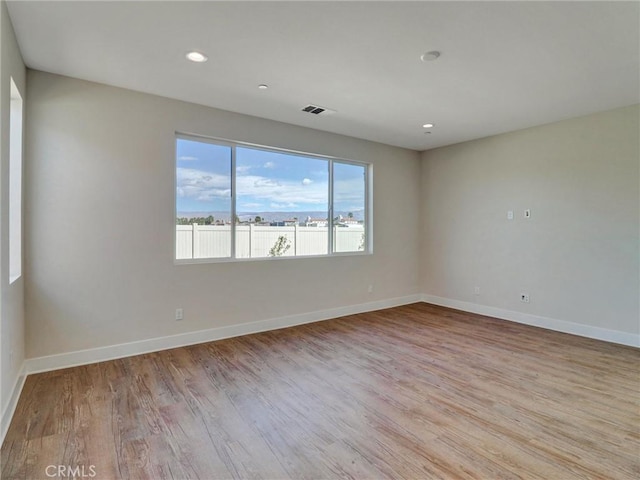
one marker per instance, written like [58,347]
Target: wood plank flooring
[415,392]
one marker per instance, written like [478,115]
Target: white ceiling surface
[504,65]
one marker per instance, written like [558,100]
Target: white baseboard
[598,333]
[94,355]
[9,410]
[101,354]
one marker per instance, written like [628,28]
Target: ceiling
[504,65]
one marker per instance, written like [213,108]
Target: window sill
[197,261]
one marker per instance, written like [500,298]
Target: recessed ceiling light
[430,56]
[427,125]
[263,86]
[197,57]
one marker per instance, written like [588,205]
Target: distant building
[316,222]
[285,223]
[347,222]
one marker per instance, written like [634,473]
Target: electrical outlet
[510,215]
[527,213]
[476,290]
[371,288]
[179,314]
[524,297]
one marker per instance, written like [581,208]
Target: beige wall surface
[12,299]
[100,223]
[577,256]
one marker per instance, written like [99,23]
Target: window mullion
[233,202]
[368,211]
[330,212]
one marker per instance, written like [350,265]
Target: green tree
[350,214]
[199,220]
[258,219]
[281,247]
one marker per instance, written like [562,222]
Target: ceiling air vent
[316,110]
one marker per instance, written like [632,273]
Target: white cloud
[256,192]
[207,196]
[265,182]
[251,206]
[186,158]
[349,191]
[269,165]
[283,205]
[201,185]
[282,192]
[243,168]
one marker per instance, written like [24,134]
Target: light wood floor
[411,392]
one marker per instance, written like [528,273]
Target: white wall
[100,164]
[578,254]
[12,341]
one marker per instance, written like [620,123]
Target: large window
[236,201]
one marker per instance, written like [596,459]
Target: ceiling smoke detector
[430,56]
[317,110]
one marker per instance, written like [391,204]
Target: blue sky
[266,181]
[203,174]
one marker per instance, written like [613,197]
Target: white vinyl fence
[214,241]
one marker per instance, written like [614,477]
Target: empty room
[319,240]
